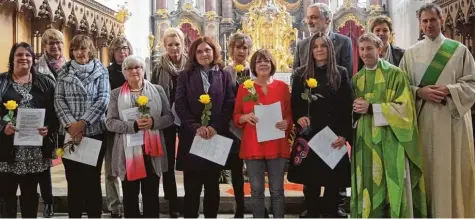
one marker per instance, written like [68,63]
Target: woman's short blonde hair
[116,44]
[82,41]
[174,32]
[242,39]
[51,34]
[371,37]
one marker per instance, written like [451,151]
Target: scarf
[84,71]
[166,70]
[135,165]
[56,64]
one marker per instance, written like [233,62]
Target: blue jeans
[275,169]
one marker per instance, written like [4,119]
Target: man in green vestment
[387,177]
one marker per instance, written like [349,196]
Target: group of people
[409,127]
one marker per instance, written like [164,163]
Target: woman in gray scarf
[165,74]
[81,99]
[139,166]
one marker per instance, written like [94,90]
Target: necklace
[22,82]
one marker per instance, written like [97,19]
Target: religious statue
[270,27]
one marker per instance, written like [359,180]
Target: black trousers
[84,185]
[46,188]
[326,205]
[170,185]
[149,188]
[193,183]
[238,180]
[29,197]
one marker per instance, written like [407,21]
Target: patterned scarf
[56,64]
[135,165]
[166,70]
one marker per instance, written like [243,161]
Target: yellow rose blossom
[11,105]
[248,84]
[311,82]
[142,100]
[239,68]
[59,152]
[205,98]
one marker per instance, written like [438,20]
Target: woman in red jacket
[269,155]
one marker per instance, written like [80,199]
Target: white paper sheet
[86,152]
[321,144]
[28,122]
[379,118]
[215,149]
[136,139]
[268,116]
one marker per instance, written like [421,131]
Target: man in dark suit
[318,19]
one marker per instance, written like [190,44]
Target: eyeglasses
[53,43]
[122,48]
[133,68]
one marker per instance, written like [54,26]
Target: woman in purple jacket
[203,74]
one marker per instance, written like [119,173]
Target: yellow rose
[205,99]
[311,83]
[248,83]
[239,68]
[11,105]
[142,100]
[59,152]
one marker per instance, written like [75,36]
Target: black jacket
[42,90]
[334,111]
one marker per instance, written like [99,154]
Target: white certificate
[86,152]
[268,116]
[28,122]
[215,149]
[321,144]
[136,139]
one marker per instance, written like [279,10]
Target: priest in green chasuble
[387,172]
[441,73]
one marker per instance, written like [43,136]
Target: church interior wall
[7,39]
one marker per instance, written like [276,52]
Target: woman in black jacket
[22,165]
[331,106]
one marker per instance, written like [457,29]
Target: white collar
[437,40]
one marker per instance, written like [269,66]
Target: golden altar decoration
[270,27]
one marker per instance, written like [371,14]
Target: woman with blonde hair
[239,48]
[81,99]
[165,74]
[49,64]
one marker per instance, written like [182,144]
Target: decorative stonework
[211,15]
[162,13]
[83,16]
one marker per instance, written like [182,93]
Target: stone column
[226,8]
[210,5]
[160,4]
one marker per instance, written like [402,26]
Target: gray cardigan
[116,125]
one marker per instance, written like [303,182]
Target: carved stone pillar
[210,5]
[226,8]
[160,4]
